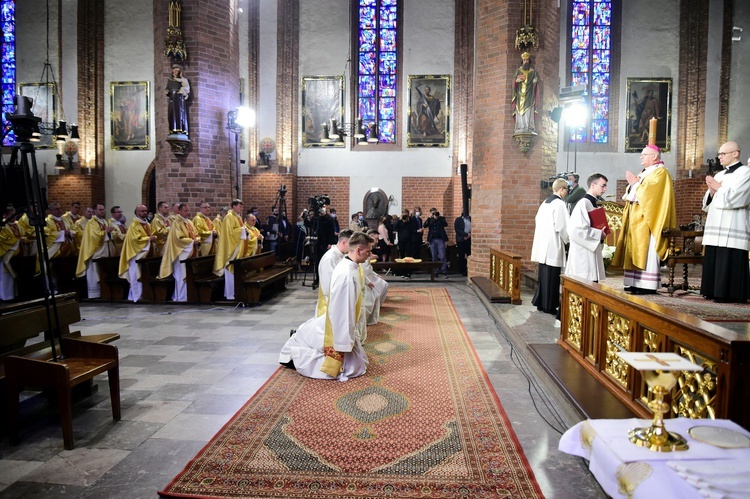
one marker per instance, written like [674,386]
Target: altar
[625,470]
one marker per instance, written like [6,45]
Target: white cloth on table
[624,469]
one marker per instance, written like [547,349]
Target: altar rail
[505,271]
[597,322]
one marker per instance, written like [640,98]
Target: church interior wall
[324,50]
[129,43]
[649,49]
[739,93]
[266,113]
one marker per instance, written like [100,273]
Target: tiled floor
[186,370]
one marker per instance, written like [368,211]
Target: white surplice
[585,254]
[375,295]
[305,347]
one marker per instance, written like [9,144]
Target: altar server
[548,249]
[585,254]
[330,346]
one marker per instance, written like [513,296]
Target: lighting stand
[235,130]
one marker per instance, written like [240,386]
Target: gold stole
[322,303]
[333,360]
[66,248]
[147,229]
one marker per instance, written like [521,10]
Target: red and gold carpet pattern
[423,422]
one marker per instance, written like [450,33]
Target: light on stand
[237,120]
[575,118]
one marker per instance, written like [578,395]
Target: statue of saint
[524,96]
[178,91]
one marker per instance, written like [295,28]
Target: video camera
[282,191]
[318,202]
[563,175]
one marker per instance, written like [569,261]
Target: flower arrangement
[608,252]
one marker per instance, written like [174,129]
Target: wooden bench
[28,282]
[154,289]
[201,281]
[504,282]
[399,267]
[83,357]
[255,273]
[682,252]
[112,286]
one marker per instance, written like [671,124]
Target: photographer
[320,227]
[272,229]
[437,237]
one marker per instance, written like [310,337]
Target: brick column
[506,182]
[211,35]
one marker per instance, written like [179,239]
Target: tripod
[36,220]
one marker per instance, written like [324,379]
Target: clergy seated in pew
[30,366]
[257,272]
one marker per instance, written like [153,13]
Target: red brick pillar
[211,36]
[506,182]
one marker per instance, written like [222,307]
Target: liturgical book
[599,220]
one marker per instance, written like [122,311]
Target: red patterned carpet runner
[423,422]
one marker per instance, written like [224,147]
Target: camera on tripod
[282,191]
[318,202]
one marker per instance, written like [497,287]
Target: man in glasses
[649,209]
[585,254]
[726,235]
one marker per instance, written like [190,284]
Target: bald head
[729,154]
[141,211]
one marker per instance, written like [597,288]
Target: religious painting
[649,110]
[429,111]
[43,106]
[322,101]
[129,115]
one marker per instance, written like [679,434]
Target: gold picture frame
[44,104]
[429,111]
[129,115]
[322,101]
[648,97]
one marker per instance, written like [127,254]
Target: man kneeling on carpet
[330,346]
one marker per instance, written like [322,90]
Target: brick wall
[505,181]
[212,41]
[688,193]
[432,193]
[262,190]
[335,187]
[66,188]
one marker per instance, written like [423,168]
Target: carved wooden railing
[505,271]
[597,322]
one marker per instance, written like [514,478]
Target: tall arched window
[590,66]
[8,63]
[377,63]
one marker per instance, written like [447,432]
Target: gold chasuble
[217,227]
[160,228]
[229,242]
[137,237]
[181,234]
[52,229]
[93,238]
[204,227]
[334,359]
[653,212]
[251,246]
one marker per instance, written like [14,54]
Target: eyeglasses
[725,153]
[603,186]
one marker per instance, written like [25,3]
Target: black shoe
[627,289]
[289,364]
[291,333]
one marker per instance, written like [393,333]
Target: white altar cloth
[625,470]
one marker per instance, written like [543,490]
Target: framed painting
[129,115]
[648,98]
[322,101]
[429,111]
[43,106]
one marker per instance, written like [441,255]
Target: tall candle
[652,131]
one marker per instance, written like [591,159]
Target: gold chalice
[660,370]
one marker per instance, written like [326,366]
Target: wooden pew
[154,289]
[31,366]
[504,282]
[28,283]
[201,280]
[113,288]
[256,272]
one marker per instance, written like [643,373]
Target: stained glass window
[8,20]
[590,54]
[377,64]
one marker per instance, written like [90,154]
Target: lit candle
[652,131]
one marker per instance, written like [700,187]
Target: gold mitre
[525,56]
